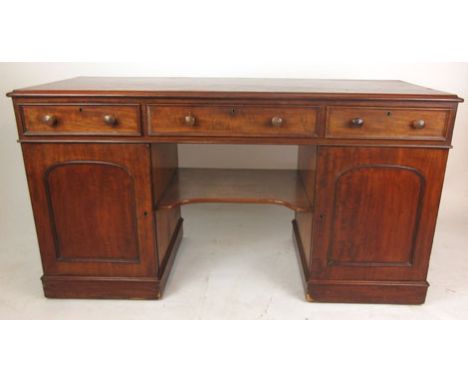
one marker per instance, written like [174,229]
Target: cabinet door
[376,211]
[92,206]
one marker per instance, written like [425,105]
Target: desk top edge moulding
[101,159]
[254,87]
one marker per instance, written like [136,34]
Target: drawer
[271,121]
[81,119]
[387,123]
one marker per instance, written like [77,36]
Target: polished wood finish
[81,119]
[108,193]
[387,123]
[93,208]
[232,120]
[106,188]
[376,211]
[195,185]
[164,164]
[134,288]
[357,291]
[319,138]
[262,88]
[306,164]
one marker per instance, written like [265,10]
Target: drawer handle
[277,121]
[419,124]
[110,120]
[189,120]
[357,122]
[50,120]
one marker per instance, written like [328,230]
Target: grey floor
[236,262]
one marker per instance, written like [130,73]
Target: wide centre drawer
[291,121]
[50,119]
[387,123]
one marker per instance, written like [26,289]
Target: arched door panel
[93,208]
[376,210]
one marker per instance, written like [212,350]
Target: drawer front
[257,121]
[387,123]
[81,119]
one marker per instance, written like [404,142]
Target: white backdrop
[16,221]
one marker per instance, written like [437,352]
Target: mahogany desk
[102,167]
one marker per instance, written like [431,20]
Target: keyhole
[389,113]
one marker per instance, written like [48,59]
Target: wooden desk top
[235,87]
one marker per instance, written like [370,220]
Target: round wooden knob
[277,121]
[419,124]
[110,120]
[189,120]
[357,122]
[49,120]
